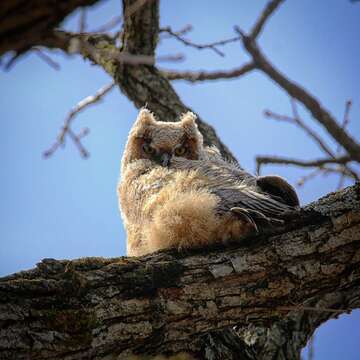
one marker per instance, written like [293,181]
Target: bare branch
[101,49]
[112,23]
[307,177]
[311,348]
[194,76]
[341,182]
[183,31]
[46,58]
[298,121]
[212,46]
[318,112]
[268,11]
[77,141]
[170,58]
[262,160]
[82,21]
[346,120]
[296,91]
[117,20]
[66,129]
[316,137]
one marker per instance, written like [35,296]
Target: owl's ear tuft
[145,117]
[188,121]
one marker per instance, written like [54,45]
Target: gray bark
[262,298]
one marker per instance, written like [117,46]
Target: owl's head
[160,141]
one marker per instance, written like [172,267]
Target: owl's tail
[186,220]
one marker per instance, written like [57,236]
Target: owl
[174,192]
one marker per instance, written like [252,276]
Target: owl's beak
[165,159]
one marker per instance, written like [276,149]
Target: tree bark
[24,24]
[146,85]
[262,298]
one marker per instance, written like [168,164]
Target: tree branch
[344,169]
[143,84]
[195,76]
[211,46]
[262,160]
[24,23]
[297,92]
[281,285]
[66,128]
[146,84]
[267,12]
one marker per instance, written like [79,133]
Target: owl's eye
[180,151]
[148,149]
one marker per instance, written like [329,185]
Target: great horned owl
[176,193]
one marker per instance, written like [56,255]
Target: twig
[311,348]
[323,170]
[346,120]
[183,31]
[66,129]
[212,46]
[171,58]
[14,58]
[76,139]
[267,12]
[309,131]
[194,76]
[311,175]
[341,182]
[319,164]
[262,160]
[117,20]
[82,21]
[296,119]
[47,59]
[294,90]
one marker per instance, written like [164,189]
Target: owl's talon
[243,213]
[249,213]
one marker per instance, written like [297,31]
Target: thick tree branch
[145,85]
[24,23]
[308,270]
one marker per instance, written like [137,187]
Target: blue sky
[66,207]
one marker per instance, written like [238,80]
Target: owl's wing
[256,208]
[237,190]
